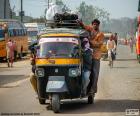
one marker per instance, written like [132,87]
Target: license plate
[55,84]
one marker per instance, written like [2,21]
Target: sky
[116,8]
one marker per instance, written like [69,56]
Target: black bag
[65,20]
[65,17]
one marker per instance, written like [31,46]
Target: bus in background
[16,31]
[32,31]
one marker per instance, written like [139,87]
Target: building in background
[5,9]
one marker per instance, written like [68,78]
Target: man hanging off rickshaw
[96,41]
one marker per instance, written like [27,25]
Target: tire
[90,99]
[42,101]
[56,103]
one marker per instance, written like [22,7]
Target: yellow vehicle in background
[14,30]
[32,31]
[104,48]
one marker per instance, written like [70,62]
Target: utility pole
[12,11]
[48,3]
[4,9]
[21,13]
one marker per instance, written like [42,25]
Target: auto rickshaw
[104,48]
[59,65]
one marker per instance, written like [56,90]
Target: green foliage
[90,12]
[38,20]
[124,26]
[59,2]
[64,6]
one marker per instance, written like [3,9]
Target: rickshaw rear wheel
[90,99]
[42,101]
[56,103]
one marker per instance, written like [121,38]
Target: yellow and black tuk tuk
[59,66]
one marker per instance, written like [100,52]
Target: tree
[38,20]
[64,6]
[125,27]
[82,9]
[59,2]
[90,12]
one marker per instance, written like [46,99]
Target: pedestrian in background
[111,47]
[15,50]
[116,38]
[10,53]
[125,41]
[131,44]
[21,52]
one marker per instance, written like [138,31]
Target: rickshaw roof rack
[63,24]
[78,32]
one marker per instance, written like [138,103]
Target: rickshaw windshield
[58,50]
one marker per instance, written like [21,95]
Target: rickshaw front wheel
[56,103]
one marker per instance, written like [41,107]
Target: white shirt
[111,45]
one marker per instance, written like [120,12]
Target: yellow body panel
[21,41]
[2,48]
[59,61]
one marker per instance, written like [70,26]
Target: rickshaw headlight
[74,72]
[40,72]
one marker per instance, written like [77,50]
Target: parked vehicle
[104,48]
[33,29]
[14,30]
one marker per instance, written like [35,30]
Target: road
[118,90]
